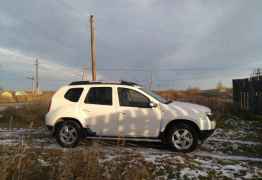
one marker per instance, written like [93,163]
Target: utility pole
[33,83]
[84,74]
[256,74]
[36,76]
[151,80]
[93,46]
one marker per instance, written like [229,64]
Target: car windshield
[156,96]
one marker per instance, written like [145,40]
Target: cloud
[18,66]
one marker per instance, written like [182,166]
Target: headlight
[210,116]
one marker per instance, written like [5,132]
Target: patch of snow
[231,170]
[192,173]
[152,157]
[179,159]
[9,141]
[17,132]
[234,167]
[234,141]
[108,157]
[43,162]
[248,176]
[229,157]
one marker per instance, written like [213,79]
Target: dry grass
[21,163]
[29,115]
[66,164]
[45,96]
[78,165]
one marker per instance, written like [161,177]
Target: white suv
[125,110]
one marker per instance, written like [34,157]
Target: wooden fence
[247,94]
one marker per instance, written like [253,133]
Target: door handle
[123,113]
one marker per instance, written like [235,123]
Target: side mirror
[152,104]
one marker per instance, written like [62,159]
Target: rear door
[99,107]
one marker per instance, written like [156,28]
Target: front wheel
[182,138]
[68,134]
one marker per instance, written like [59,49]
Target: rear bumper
[49,128]
[204,134]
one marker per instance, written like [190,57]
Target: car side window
[99,95]
[73,94]
[132,98]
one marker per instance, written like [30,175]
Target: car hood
[188,108]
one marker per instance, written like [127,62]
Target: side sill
[137,139]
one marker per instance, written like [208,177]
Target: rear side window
[99,95]
[73,94]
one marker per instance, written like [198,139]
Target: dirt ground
[234,152]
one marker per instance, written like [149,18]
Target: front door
[136,117]
[100,110]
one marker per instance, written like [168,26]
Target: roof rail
[101,82]
[83,82]
[128,83]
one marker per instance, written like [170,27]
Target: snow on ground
[234,141]
[227,157]
[227,154]
[191,173]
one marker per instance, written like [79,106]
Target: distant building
[6,97]
[220,87]
[20,93]
[247,94]
[7,94]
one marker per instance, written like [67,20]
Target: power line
[164,69]
[71,8]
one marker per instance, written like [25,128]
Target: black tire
[77,132]
[179,127]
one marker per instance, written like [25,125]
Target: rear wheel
[68,134]
[182,137]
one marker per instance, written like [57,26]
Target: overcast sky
[184,43]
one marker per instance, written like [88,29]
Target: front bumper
[204,134]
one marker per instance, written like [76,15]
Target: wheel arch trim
[176,121]
[63,119]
